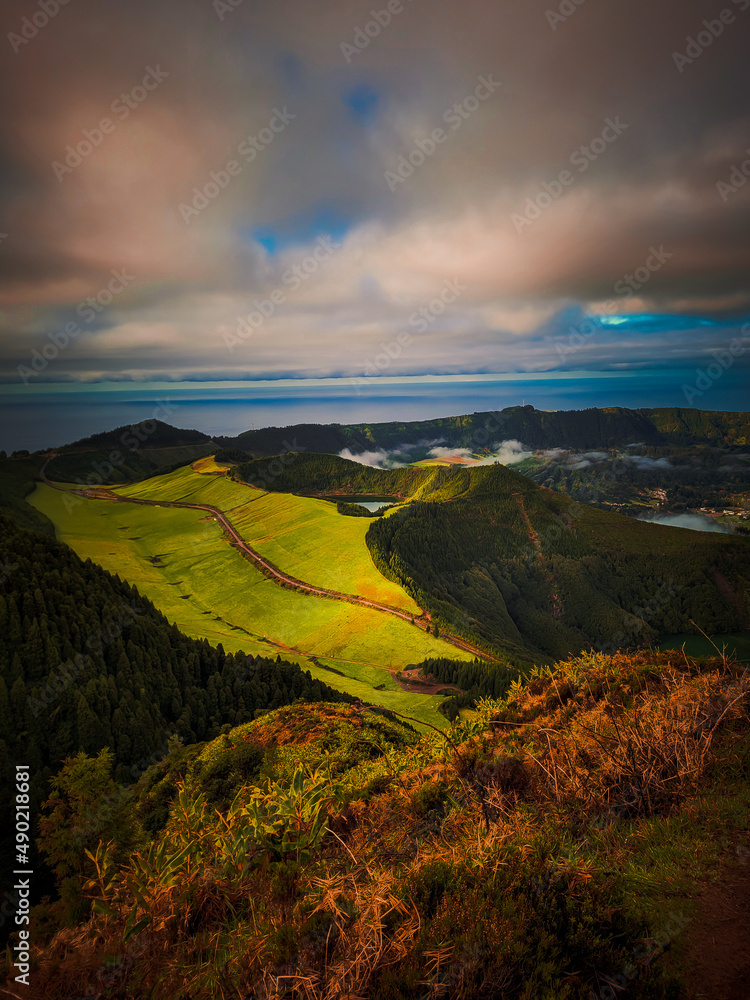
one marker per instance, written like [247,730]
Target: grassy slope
[206,587]
[517,862]
[304,537]
[209,465]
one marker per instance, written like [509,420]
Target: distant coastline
[51,414]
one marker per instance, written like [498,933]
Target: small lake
[371,503]
[737,644]
[695,522]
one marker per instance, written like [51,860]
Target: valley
[431,686]
[468,562]
[180,559]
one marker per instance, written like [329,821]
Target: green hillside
[328,475]
[576,429]
[524,568]
[179,559]
[87,662]
[507,563]
[130,453]
[304,537]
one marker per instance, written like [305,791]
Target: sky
[283,189]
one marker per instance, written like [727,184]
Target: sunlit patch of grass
[210,591]
[304,537]
[209,465]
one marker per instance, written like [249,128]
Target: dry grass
[623,737]
[629,742]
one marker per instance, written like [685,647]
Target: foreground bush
[543,850]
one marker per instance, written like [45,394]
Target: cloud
[375,459]
[585,460]
[457,453]
[505,452]
[525,294]
[644,462]
[511,452]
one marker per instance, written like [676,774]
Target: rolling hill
[179,558]
[576,429]
[507,563]
[131,453]
[554,847]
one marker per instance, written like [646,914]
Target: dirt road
[267,568]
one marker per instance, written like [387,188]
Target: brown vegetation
[490,862]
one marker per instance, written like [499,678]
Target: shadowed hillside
[519,568]
[576,429]
[86,662]
[551,847]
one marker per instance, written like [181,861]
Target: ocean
[48,415]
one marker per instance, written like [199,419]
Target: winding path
[267,568]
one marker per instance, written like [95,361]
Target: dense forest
[531,572]
[88,663]
[151,447]
[328,475]
[576,429]
[686,478]
[478,679]
[128,453]
[18,478]
[311,473]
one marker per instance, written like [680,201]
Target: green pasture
[304,537]
[180,561]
